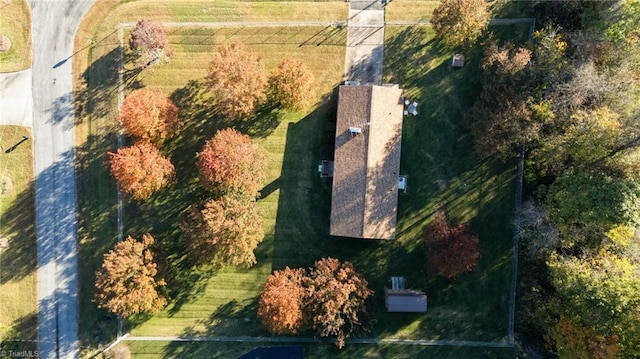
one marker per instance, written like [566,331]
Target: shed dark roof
[365,180]
[405,301]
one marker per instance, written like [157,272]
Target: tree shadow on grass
[22,335]
[163,213]
[302,219]
[20,258]
[97,223]
[231,319]
[98,96]
[260,124]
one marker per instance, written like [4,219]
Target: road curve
[54,24]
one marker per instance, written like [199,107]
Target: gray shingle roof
[365,181]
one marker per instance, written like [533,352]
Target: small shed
[400,300]
[457,60]
[405,301]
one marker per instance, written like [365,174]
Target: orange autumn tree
[149,116]
[126,283]
[140,170]
[237,80]
[223,232]
[231,163]
[451,250]
[291,84]
[336,296]
[281,304]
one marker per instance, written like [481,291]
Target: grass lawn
[314,351]
[18,262]
[437,156]
[410,10]
[15,23]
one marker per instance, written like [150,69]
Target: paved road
[54,23]
[15,98]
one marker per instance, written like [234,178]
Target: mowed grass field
[437,156]
[15,23]
[149,350]
[18,262]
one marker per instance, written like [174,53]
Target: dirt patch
[6,185]
[5,43]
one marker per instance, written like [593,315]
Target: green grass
[410,10]
[18,282]
[15,23]
[312,351]
[296,202]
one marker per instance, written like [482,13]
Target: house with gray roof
[364,197]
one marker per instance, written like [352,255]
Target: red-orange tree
[231,163]
[291,84]
[126,283]
[140,170]
[223,232]
[149,116]
[282,301]
[237,80]
[336,296]
[451,250]
[150,43]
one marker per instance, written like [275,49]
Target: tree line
[225,227]
[572,99]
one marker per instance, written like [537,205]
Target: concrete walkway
[365,42]
[54,24]
[16,102]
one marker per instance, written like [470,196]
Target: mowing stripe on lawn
[452,343]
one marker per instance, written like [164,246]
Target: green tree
[549,57]
[459,22]
[592,202]
[223,232]
[623,18]
[586,138]
[126,284]
[600,292]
